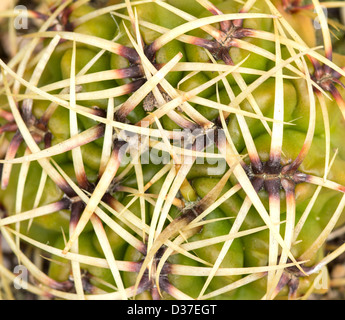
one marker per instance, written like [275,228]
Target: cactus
[173,149]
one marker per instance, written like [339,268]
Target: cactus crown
[185,149]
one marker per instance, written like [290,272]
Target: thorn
[10,154]
[8,127]
[226,25]
[6,115]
